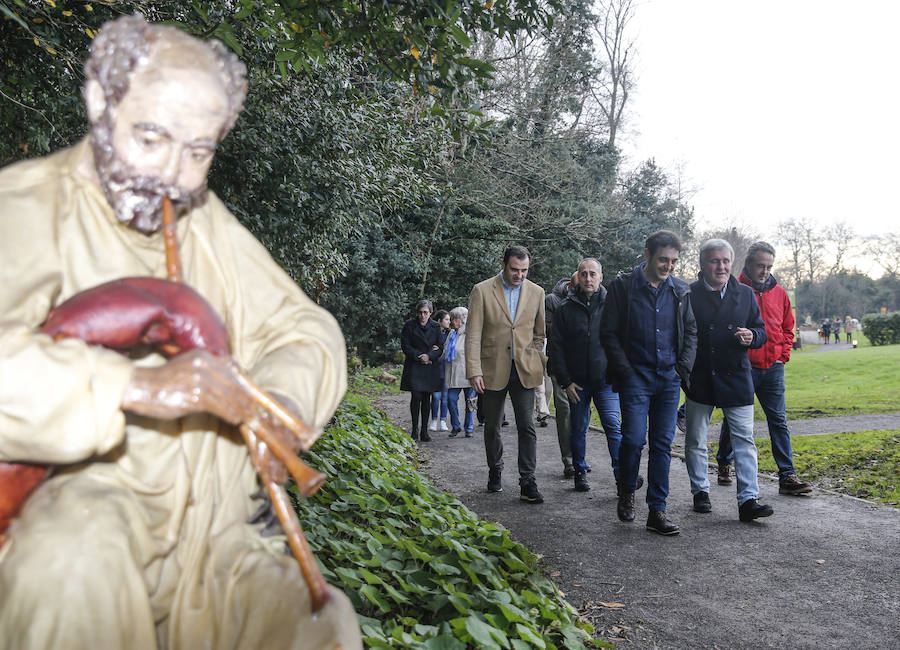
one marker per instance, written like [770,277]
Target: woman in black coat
[420,341]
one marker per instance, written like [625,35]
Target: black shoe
[528,491]
[542,422]
[581,482]
[505,423]
[701,502]
[625,507]
[468,434]
[454,433]
[640,482]
[657,523]
[752,509]
[414,435]
[587,468]
[568,472]
[494,484]
[425,437]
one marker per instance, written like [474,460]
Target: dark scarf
[761,287]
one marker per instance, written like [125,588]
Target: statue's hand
[194,382]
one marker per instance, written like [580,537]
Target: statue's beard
[136,199]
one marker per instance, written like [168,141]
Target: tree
[804,240]
[617,79]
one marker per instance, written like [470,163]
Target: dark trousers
[523,406]
[419,406]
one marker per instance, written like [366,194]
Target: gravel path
[821,573]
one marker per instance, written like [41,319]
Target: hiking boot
[568,472]
[792,484]
[725,474]
[528,491]
[701,502]
[625,507]
[658,523]
[581,482]
[752,509]
[494,480]
[640,482]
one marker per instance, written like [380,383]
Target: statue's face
[159,140]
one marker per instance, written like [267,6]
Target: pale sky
[772,109]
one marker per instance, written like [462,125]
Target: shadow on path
[822,572]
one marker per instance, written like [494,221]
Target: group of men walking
[631,350]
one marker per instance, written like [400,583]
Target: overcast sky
[772,109]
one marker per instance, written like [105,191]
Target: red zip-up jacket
[775,307]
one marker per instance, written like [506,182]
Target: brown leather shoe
[725,474]
[794,485]
[625,507]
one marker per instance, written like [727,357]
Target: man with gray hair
[139,539]
[768,369]
[728,324]
[579,362]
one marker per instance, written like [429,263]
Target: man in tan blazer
[504,353]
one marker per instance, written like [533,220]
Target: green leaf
[374,596]
[443,642]
[481,632]
[527,634]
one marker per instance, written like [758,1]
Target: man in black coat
[551,303]
[728,324]
[579,364]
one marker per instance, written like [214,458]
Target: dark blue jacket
[575,341]
[722,375]
[614,328]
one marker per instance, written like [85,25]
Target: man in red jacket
[768,369]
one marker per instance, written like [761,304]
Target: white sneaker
[444,425]
[432,426]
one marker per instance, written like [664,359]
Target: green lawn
[863,464]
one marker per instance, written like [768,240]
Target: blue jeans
[768,383]
[607,404]
[453,404]
[657,401]
[696,454]
[439,404]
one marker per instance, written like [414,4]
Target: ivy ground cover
[422,570]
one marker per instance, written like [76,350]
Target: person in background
[455,356]
[826,330]
[560,400]
[420,341]
[849,328]
[836,329]
[439,397]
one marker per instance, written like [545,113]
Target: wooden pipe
[281,503]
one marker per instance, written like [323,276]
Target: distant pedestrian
[826,330]
[836,330]
[850,327]
[504,354]
[439,397]
[420,342]
[455,356]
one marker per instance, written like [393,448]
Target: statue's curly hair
[125,42]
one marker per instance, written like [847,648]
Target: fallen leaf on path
[612,605]
[555,574]
[820,561]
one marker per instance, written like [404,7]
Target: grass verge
[422,570]
[864,464]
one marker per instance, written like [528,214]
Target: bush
[882,329]
[422,570]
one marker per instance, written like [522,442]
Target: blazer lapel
[500,295]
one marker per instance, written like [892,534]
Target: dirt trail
[822,572]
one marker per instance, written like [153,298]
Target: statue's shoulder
[27,175]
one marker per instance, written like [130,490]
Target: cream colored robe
[138,540]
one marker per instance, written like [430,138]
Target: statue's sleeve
[289,344]
[59,401]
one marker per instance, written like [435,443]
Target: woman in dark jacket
[420,341]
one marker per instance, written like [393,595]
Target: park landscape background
[390,151]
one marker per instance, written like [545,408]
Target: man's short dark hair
[758,247]
[516,251]
[662,239]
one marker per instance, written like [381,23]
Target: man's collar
[721,291]
[506,286]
